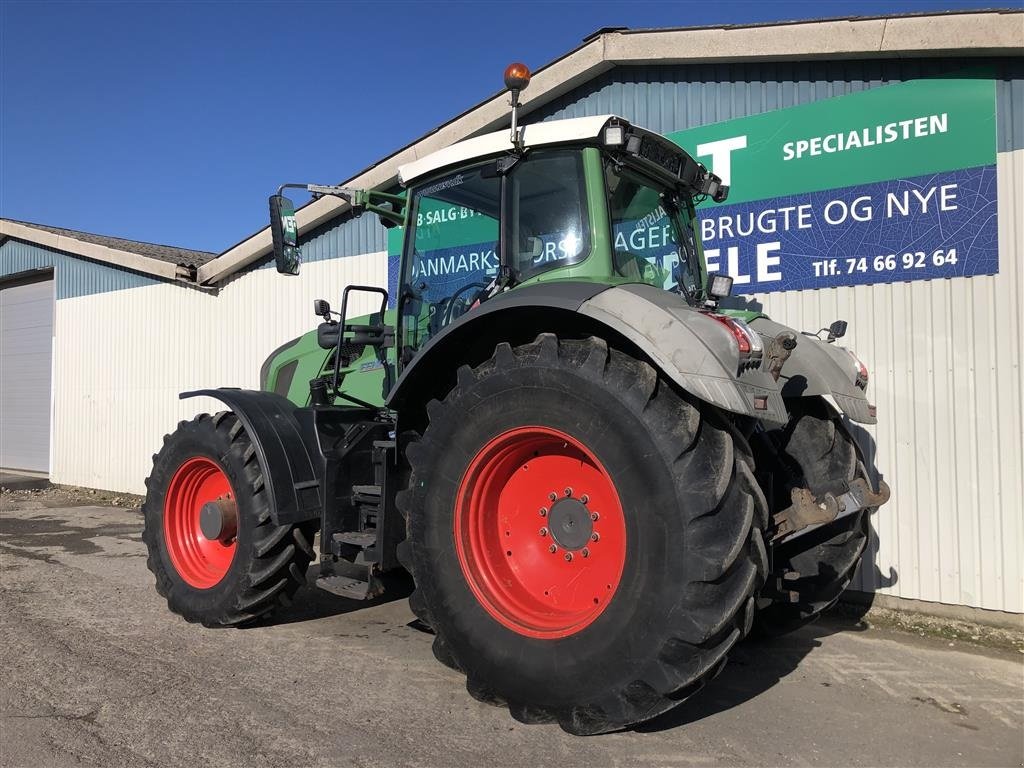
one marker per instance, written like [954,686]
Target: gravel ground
[97,671]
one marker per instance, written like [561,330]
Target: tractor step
[352,580]
[362,539]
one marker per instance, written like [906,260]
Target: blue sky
[172,122]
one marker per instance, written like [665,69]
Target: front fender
[690,348]
[286,447]
[816,368]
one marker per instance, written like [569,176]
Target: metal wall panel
[122,357]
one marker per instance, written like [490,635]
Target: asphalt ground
[95,671]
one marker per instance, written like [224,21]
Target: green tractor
[599,480]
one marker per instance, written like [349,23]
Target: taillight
[862,371]
[749,342]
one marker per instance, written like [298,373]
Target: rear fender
[285,440]
[690,348]
[818,369]
[694,351]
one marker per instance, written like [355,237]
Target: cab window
[547,213]
[652,234]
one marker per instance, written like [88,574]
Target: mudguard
[286,447]
[816,368]
[689,347]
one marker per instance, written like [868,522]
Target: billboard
[889,184]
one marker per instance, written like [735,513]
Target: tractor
[598,477]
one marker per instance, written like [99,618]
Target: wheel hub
[218,520]
[570,524]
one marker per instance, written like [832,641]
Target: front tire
[249,566]
[596,641]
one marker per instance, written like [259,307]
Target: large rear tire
[814,451]
[250,566]
[586,541]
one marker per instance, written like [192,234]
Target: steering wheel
[455,297]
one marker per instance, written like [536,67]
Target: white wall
[944,357]
[122,357]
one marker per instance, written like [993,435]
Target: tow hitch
[807,512]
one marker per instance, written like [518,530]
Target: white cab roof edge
[534,135]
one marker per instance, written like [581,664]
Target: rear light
[747,339]
[862,371]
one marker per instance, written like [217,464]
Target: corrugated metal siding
[673,98]
[122,357]
[74,275]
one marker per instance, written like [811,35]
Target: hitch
[807,512]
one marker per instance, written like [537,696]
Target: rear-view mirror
[837,330]
[285,233]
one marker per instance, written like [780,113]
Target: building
[929,200]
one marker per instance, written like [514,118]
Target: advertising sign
[890,184]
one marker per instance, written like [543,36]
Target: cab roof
[534,135]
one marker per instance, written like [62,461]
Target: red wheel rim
[201,562]
[539,532]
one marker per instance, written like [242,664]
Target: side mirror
[837,330]
[285,233]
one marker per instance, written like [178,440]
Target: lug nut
[594,516]
[568,492]
[543,511]
[552,496]
[584,498]
[595,536]
[585,552]
[543,531]
[568,557]
[552,549]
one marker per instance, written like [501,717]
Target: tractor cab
[588,199]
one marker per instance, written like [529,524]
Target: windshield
[652,232]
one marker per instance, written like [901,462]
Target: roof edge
[984,33]
[94,251]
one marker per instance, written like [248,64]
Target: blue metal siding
[74,275]
[675,97]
